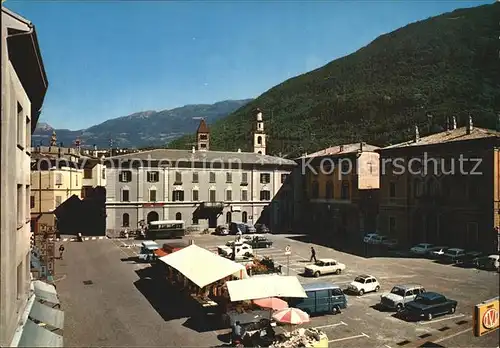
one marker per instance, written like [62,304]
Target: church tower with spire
[203,136]
[259,137]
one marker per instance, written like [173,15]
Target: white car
[438,251]
[422,248]
[324,266]
[242,251]
[374,238]
[363,284]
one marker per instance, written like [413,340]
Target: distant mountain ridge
[141,129]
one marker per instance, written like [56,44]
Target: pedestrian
[61,251]
[236,333]
[313,255]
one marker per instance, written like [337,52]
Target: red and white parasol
[273,303]
[293,316]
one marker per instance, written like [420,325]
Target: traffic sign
[288,253]
[288,249]
[486,317]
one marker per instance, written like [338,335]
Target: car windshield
[359,280]
[398,291]
[319,263]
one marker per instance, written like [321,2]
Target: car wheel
[429,316]
[452,310]
[338,271]
[399,307]
[361,292]
[377,288]
[335,310]
[317,274]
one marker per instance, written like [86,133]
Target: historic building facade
[442,188]
[204,188]
[337,196]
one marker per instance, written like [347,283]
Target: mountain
[141,129]
[443,66]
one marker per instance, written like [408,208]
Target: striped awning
[45,292]
[35,335]
[47,315]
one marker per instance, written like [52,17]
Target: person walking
[313,255]
[61,251]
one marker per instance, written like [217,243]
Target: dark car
[469,258]
[258,242]
[428,305]
[261,228]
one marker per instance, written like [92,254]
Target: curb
[74,239]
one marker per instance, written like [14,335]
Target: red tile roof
[203,128]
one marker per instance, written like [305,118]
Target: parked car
[429,305]
[375,238]
[321,298]
[370,237]
[453,254]
[250,229]
[422,248]
[390,243]
[438,252]
[237,228]
[400,295]
[490,262]
[222,230]
[147,252]
[468,258]
[363,284]
[242,251]
[256,242]
[324,266]
[261,228]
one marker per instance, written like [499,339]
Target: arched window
[260,152]
[126,220]
[228,217]
[329,189]
[259,140]
[178,216]
[244,217]
[315,190]
[152,216]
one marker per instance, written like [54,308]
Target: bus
[165,229]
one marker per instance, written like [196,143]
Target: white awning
[203,267]
[266,286]
[45,292]
[37,336]
[47,315]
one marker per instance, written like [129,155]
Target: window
[212,196]
[20,126]
[203,137]
[195,177]
[87,173]
[195,220]
[178,196]
[228,217]
[283,178]
[229,178]
[196,195]
[152,195]
[244,217]
[59,179]
[392,225]
[244,178]
[58,200]
[315,189]
[27,131]
[211,177]
[265,195]
[265,178]
[178,216]
[344,194]
[329,190]
[20,289]
[229,195]
[392,190]
[178,178]
[103,174]
[244,195]
[19,207]
[125,195]
[125,220]
[32,202]
[153,176]
[259,140]
[203,146]
[125,176]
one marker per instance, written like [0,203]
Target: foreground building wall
[23,88]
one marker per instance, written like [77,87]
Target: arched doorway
[244,217]
[126,220]
[153,216]
[228,217]
[178,216]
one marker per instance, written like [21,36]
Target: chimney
[239,150]
[193,150]
[417,135]
[469,126]
[454,125]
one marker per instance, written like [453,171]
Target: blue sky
[106,59]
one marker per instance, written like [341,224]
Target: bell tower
[203,136]
[259,137]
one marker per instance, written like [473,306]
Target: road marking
[442,319]
[369,295]
[454,335]
[331,325]
[349,338]
[387,346]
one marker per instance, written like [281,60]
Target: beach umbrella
[292,316]
[273,303]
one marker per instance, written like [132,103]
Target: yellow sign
[486,318]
